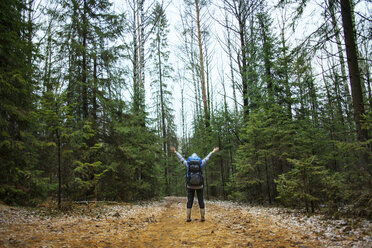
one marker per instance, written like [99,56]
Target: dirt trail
[224,227]
[159,224]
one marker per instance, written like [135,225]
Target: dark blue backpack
[194,173]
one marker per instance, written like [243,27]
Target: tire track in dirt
[224,227]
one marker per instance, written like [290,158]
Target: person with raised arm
[195,180]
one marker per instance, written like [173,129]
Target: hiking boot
[202,213]
[188,215]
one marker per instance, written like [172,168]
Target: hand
[173,149]
[216,149]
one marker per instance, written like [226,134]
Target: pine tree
[304,184]
[202,72]
[161,71]
[76,51]
[268,50]
[20,179]
[283,67]
[355,80]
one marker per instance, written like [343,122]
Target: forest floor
[163,224]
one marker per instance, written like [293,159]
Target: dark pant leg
[200,197]
[190,197]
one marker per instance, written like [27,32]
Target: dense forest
[93,95]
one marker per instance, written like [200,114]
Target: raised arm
[216,149]
[179,156]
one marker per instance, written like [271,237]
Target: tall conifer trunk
[204,94]
[135,64]
[288,93]
[59,169]
[346,92]
[243,68]
[84,66]
[354,75]
[95,89]
[229,51]
[141,53]
[164,132]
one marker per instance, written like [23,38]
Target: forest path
[163,224]
[225,226]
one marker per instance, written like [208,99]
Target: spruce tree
[161,71]
[20,179]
